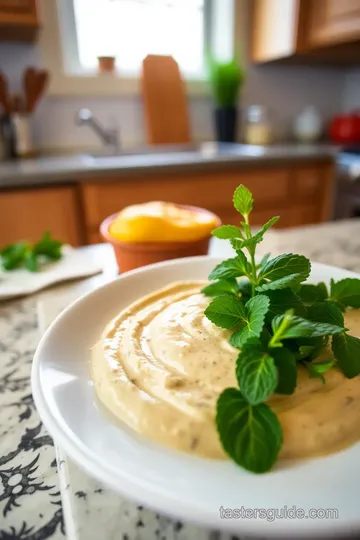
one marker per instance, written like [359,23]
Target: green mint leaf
[48,247]
[307,348]
[263,261]
[226,232]
[317,370]
[282,283]
[287,372]
[265,337]
[243,201]
[285,265]
[250,435]
[231,268]
[260,234]
[282,300]
[237,244]
[289,326]
[253,240]
[255,311]
[346,350]
[13,255]
[307,351]
[326,312]
[323,367]
[220,287]
[346,292]
[313,293]
[284,271]
[30,261]
[244,288]
[226,311]
[256,374]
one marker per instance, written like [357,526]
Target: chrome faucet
[110,137]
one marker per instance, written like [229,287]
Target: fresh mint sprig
[29,256]
[278,323]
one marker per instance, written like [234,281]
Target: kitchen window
[75,32]
[132,29]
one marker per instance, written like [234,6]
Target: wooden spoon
[4,93]
[40,84]
[17,104]
[29,84]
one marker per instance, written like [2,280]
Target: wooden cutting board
[165,101]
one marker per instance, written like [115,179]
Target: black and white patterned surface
[30,502]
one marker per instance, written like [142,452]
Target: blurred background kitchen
[108,103]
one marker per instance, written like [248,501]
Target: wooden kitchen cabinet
[27,213]
[16,7]
[325,31]
[275,29]
[18,20]
[334,21]
[300,194]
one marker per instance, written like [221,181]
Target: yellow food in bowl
[162,222]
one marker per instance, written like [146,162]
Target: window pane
[131,29]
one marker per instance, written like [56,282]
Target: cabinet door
[17,6]
[300,195]
[17,13]
[26,214]
[213,191]
[334,21]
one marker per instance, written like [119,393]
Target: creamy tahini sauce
[161,365]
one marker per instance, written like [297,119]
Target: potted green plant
[225,80]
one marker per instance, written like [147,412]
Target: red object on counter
[345,128]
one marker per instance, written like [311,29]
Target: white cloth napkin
[73,265]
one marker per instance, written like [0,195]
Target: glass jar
[258,128]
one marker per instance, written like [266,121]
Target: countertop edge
[26,175]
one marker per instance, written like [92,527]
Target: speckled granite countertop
[40,487]
[65,169]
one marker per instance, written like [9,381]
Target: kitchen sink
[145,150]
[207,149]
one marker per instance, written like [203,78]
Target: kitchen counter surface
[70,169]
[36,499]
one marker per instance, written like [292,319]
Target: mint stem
[253,277]
[276,338]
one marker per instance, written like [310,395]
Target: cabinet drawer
[18,20]
[289,217]
[94,238]
[307,183]
[17,6]
[212,191]
[26,214]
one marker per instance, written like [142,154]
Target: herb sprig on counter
[278,322]
[29,256]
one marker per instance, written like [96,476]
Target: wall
[285,90]
[351,94]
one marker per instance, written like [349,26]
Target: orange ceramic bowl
[130,255]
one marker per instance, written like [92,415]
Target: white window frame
[55,56]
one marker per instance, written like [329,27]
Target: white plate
[171,482]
